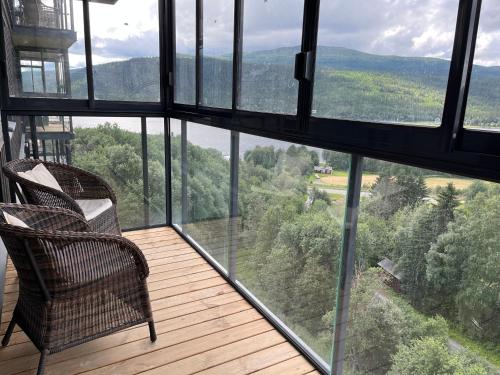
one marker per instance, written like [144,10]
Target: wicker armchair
[74,285]
[77,185]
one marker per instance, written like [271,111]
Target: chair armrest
[47,218]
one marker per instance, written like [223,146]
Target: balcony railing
[34,13]
[357,260]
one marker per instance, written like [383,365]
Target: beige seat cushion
[94,207]
[40,174]
[12,220]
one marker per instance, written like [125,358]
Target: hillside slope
[349,84]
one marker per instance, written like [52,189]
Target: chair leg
[41,363]
[152,331]
[8,333]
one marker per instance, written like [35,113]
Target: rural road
[340,191]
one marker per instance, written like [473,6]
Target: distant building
[393,277]
[323,169]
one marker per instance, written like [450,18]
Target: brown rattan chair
[74,285]
[76,184]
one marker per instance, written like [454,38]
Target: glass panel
[218,29]
[292,202]
[185,51]
[271,38]
[483,103]
[125,50]
[176,170]
[425,294]
[50,76]
[49,31]
[156,164]
[384,61]
[108,147]
[111,148]
[205,217]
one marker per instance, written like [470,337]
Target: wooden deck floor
[204,326]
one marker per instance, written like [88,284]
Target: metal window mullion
[34,142]
[170,51]
[184,173]
[163,52]
[44,83]
[233,204]
[199,52]
[88,53]
[145,169]
[168,172]
[309,43]
[8,153]
[4,84]
[460,72]
[346,271]
[237,53]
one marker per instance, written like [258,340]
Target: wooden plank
[162,254]
[178,345]
[148,230]
[124,343]
[172,238]
[157,276]
[217,356]
[186,288]
[163,325]
[181,280]
[173,259]
[295,366]
[184,350]
[179,265]
[255,361]
[26,348]
[190,297]
[151,249]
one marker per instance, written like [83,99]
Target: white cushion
[27,175]
[12,220]
[94,207]
[41,175]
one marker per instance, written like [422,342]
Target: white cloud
[389,27]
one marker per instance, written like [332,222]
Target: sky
[388,27]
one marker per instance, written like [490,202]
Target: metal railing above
[34,13]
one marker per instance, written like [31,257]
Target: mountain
[349,84]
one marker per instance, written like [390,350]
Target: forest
[348,84]
[444,241]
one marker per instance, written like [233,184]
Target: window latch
[303,66]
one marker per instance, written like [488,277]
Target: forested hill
[349,84]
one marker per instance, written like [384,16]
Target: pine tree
[447,201]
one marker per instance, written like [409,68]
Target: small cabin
[323,169]
[392,276]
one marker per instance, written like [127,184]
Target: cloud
[387,27]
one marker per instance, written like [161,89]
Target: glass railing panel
[425,293]
[200,198]
[112,148]
[292,203]
[156,171]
